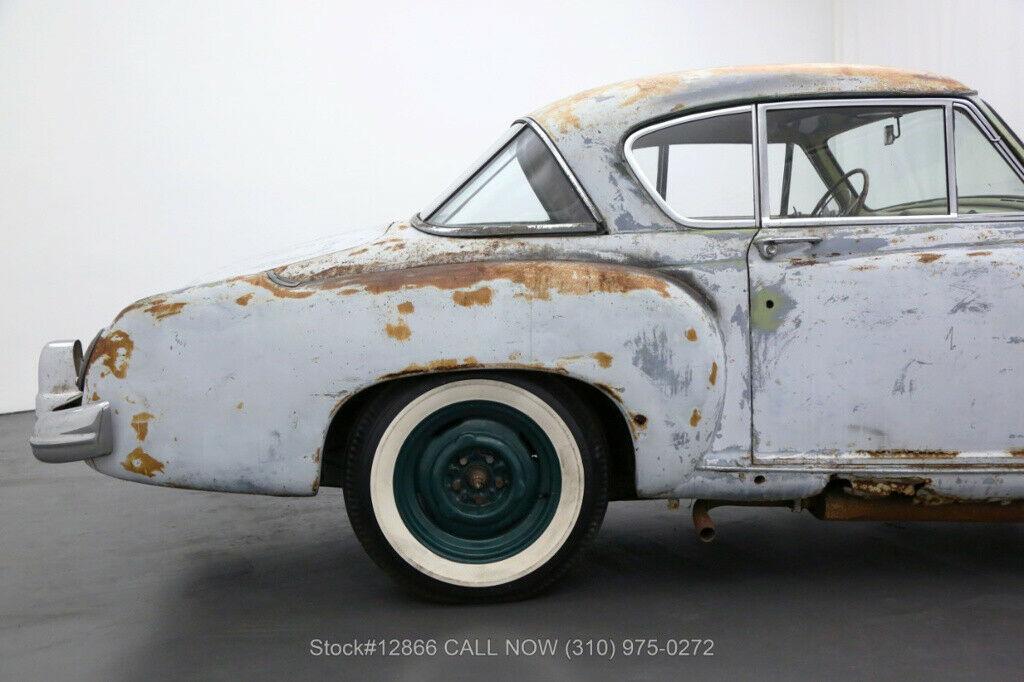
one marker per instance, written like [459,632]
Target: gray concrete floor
[105,580]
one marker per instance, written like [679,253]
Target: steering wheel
[857,205]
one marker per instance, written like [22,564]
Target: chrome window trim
[511,229]
[994,138]
[467,175]
[952,216]
[652,191]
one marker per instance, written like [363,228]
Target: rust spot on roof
[443,364]
[139,462]
[652,86]
[160,308]
[909,454]
[406,308]
[802,262]
[929,257]
[244,299]
[359,251]
[714,373]
[979,253]
[865,268]
[95,397]
[691,334]
[639,419]
[736,84]
[140,422]
[539,278]
[240,405]
[264,282]
[399,332]
[481,296]
[348,292]
[603,359]
[1017,453]
[695,417]
[114,350]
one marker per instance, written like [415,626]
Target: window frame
[495,229]
[762,198]
[947,104]
[652,190]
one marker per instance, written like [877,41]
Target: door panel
[889,344]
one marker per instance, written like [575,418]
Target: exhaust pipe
[702,521]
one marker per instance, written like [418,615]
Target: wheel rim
[477,481]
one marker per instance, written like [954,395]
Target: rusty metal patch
[140,423]
[159,308]
[114,351]
[140,462]
[481,296]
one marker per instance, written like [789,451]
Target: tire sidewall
[374,445]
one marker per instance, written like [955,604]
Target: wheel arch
[603,401]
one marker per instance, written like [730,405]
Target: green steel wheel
[477,487]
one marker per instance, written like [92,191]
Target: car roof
[589,127]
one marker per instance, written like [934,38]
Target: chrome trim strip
[503,229]
[652,191]
[511,229]
[951,198]
[997,141]
[279,280]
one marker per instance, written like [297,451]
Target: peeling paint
[481,296]
[540,279]
[139,462]
[140,423]
[399,331]
[261,280]
[444,364]
[909,454]
[160,309]
[114,351]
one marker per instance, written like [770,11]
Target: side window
[522,183]
[872,160]
[985,182]
[701,169]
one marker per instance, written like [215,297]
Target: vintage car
[799,286]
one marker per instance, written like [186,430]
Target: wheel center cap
[477,477]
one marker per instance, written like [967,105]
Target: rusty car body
[830,359]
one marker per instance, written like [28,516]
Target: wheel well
[621,454]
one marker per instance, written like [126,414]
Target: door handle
[769,246]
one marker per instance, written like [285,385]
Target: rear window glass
[522,183]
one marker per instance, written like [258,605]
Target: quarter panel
[236,382]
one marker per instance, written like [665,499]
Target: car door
[887,310]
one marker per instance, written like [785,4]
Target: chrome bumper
[66,430]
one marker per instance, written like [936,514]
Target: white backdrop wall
[145,144]
[979,42]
